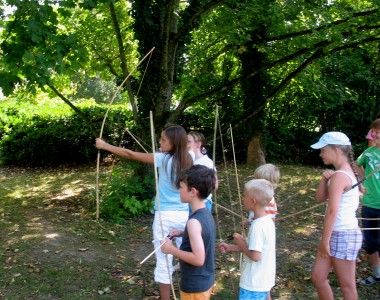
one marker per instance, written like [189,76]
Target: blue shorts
[346,244]
[371,237]
[251,295]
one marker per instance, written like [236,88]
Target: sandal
[370,280]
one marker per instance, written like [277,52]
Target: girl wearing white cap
[341,235]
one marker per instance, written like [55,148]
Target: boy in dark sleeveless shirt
[197,252]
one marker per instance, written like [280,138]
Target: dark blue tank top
[199,279]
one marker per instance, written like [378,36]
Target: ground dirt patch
[53,248]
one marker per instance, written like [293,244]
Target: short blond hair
[269,172]
[260,189]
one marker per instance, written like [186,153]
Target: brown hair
[181,158]
[199,177]
[199,137]
[376,124]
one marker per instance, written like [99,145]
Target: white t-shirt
[260,276]
[207,162]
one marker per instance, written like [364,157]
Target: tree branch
[213,57]
[186,102]
[123,61]
[76,109]
[192,13]
[309,31]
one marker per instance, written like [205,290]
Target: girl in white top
[341,235]
[170,212]
[196,147]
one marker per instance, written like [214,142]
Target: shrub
[57,136]
[128,192]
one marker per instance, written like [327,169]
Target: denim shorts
[252,295]
[371,237]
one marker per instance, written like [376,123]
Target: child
[169,211]
[258,269]
[196,145]
[341,235]
[370,138]
[370,160]
[271,173]
[197,250]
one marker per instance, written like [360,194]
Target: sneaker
[370,280]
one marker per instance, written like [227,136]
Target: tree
[341,92]
[284,44]
[204,49]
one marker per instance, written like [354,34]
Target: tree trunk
[255,91]
[255,153]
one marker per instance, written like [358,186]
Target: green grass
[51,246]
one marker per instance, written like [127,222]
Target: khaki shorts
[196,296]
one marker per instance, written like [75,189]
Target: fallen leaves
[142,229]
[106,290]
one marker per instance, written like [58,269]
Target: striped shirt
[270,209]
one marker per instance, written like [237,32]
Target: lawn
[52,247]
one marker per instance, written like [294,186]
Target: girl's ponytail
[351,160]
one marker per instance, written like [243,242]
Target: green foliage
[35,45]
[128,192]
[197,61]
[96,30]
[339,93]
[49,135]
[95,88]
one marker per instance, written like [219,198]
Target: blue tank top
[200,279]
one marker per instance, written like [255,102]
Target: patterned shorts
[346,244]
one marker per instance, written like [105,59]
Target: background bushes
[54,136]
[128,191]
[51,134]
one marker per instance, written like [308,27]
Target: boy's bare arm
[224,247]
[241,242]
[197,256]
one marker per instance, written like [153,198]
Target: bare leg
[165,291]
[374,260]
[346,274]
[319,276]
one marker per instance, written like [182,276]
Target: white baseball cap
[332,138]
